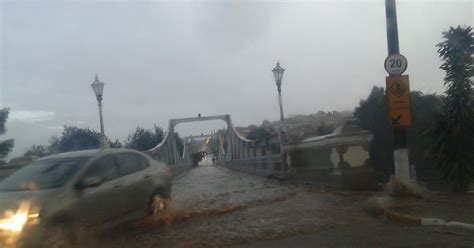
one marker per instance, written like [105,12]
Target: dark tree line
[372,115]
[74,138]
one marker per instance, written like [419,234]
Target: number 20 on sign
[398,97]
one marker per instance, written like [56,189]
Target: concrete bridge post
[230,147]
[284,154]
[239,150]
[171,142]
[175,149]
[246,150]
[170,147]
[234,145]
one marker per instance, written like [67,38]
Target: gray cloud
[31,116]
[163,60]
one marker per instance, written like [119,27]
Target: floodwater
[214,207]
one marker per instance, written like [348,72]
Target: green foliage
[6,146]
[144,139]
[3,119]
[71,139]
[74,139]
[261,132]
[372,115]
[37,150]
[453,133]
[115,144]
[426,109]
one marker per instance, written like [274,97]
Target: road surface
[217,207]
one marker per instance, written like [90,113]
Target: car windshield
[243,123]
[43,174]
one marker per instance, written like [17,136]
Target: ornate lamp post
[98,88]
[278,74]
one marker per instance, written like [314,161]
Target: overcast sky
[172,59]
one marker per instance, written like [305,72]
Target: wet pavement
[213,207]
[217,207]
[373,234]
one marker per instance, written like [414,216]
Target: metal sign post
[398,95]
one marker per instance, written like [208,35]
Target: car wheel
[158,204]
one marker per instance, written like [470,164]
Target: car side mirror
[89,182]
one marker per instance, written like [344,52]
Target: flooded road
[213,207]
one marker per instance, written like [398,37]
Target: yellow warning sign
[398,97]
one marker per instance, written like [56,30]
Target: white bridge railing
[237,152]
[340,159]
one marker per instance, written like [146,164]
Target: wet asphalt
[217,207]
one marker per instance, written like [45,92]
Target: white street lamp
[98,88]
[278,74]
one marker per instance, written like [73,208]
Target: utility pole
[392,27]
[398,94]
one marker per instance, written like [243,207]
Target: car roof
[87,153]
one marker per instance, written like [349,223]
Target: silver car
[93,188]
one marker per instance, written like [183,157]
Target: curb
[449,224]
[415,220]
[402,218]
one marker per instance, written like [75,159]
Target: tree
[262,131]
[144,139]
[453,133]
[372,115]
[115,144]
[75,138]
[37,150]
[6,146]
[71,139]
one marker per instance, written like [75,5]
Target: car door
[101,204]
[137,181]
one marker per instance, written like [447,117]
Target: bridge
[339,160]
[236,204]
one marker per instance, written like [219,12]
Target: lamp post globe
[98,88]
[278,73]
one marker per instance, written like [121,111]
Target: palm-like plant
[453,133]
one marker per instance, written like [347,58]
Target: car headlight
[14,221]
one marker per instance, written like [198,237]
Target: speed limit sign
[396,64]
